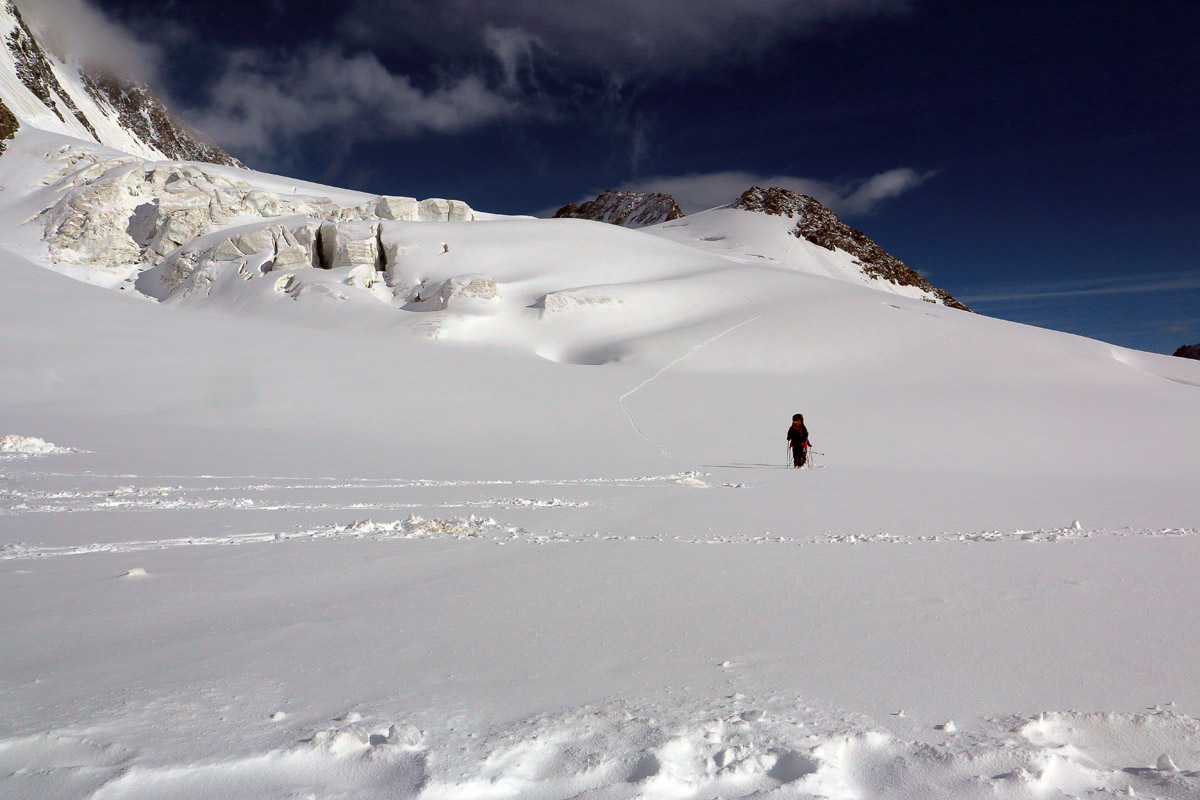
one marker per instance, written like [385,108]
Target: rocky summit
[628,209]
[817,224]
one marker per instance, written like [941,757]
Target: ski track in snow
[663,747]
[682,358]
[489,530]
[158,498]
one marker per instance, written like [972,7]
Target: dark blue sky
[1040,159]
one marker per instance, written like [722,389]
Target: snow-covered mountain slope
[297,552]
[779,226]
[629,209]
[383,497]
[40,90]
[754,300]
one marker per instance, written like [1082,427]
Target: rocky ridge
[817,224]
[35,71]
[141,113]
[627,209]
[8,125]
[112,109]
[1189,351]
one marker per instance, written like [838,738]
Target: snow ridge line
[684,357]
[486,529]
[414,527]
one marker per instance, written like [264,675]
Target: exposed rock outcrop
[113,111]
[628,209]
[35,71]
[817,224]
[141,113]
[8,126]
[1189,351]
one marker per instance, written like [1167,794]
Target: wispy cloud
[78,30]
[1088,287]
[262,106]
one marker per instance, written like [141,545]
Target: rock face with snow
[42,90]
[629,209]
[1189,351]
[37,73]
[9,124]
[141,113]
[817,224]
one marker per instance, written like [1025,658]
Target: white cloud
[261,106]
[1089,287]
[77,30]
[700,191]
[513,48]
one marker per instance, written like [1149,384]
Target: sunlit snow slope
[313,493]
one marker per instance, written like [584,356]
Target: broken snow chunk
[566,299]
[136,572]
[344,741]
[406,736]
[459,211]
[362,276]
[122,211]
[29,445]
[293,258]
[226,251]
[259,240]
[398,208]
[434,209]
[467,289]
[1165,764]
[285,283]
[262,204]
[350,244]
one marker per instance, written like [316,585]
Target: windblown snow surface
[509,517]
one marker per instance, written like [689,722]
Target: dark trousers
[799,454]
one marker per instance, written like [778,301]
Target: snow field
[667,747]
[509,517]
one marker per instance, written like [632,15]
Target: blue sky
[1038,160]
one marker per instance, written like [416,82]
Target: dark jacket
[798,436]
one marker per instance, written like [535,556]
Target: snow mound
[1137,743]
[29,445]
[662,749]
